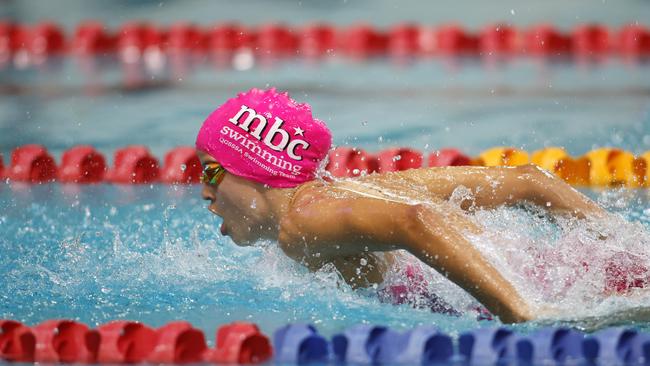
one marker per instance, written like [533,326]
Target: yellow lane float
[502,156]
[616,167]
[603,167]
[557,161]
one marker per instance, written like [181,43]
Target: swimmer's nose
[207,194]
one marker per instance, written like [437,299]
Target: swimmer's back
[404,186]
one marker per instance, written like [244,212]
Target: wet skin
[343,221]
[252,212]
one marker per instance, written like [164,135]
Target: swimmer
[261,152]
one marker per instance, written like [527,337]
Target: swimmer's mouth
[224,232]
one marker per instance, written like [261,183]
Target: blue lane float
[422,345]
[618,346]
[362,344]
[487,346]
[300,343]
[558,345]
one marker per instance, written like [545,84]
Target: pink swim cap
[267,137]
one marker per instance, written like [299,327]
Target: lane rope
[178,342]
[83,164]
[35,43]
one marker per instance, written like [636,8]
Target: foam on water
[560,261]
[566,267]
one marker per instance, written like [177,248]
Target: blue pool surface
[153,253]
[425,104]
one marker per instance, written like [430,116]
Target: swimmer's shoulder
[308,192]
[412,176]
[313,191]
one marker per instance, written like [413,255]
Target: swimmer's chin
[239,241]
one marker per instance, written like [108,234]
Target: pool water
[154,253]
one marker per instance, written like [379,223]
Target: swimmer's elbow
[407,224]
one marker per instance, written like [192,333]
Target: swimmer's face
[239,203]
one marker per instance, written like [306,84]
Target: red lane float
[240,343]
[404,40]
[362,40]
[179,343]
[228,38]
[317,40]
[182,166]
[2,167]
[545,40]
[350,162]
[185,37]
[634,40]
[12,39]
[453,40]
[45,39]
[276,40]
[134,164]
[591,40]
[125,342]
[64,341]
[82,164]
[91,38]
[134,38]
[31,163]
[448,157]
[499,39]
[398,159]
[17,343]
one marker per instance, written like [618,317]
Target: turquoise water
[154,253]
[426,104]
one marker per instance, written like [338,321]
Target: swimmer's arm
[438,239]
[349,226]
[494,186]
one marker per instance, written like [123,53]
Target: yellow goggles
[213,173]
